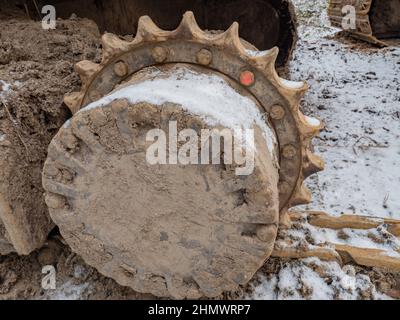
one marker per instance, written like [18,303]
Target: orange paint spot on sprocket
[247,78]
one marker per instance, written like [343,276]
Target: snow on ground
[377,238]
[317,280]
[4,88]
[355,91]
[67,291]
[7,88]
[72,289]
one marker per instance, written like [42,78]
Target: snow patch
[377,238]
[312,121]
[4,88]
[255,53]
[358,180]
[314,279]
[68,291]
[292,84]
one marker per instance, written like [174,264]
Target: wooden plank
[324,220]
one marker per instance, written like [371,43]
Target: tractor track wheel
[184,231]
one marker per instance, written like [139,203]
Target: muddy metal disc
[168,229]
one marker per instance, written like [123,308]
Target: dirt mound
[36,69]
[21,277]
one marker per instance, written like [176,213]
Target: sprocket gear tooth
[86,70]
[312,164]
[301,196]
[73,101]
[264,60]
[112,46]
[308,130]
[147,30]
[294,90]
[189,29]
[230,40]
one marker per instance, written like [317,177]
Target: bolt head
[51,171]
[94,95]
[121,69]
[54,201]
[159,54]
[204,57]
[67,175]
[289,151]
[277,112]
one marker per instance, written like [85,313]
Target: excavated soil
[21,276]
[36,69]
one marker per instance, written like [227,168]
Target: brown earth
[21,276]
[39,66]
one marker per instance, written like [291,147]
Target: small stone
[49,254]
